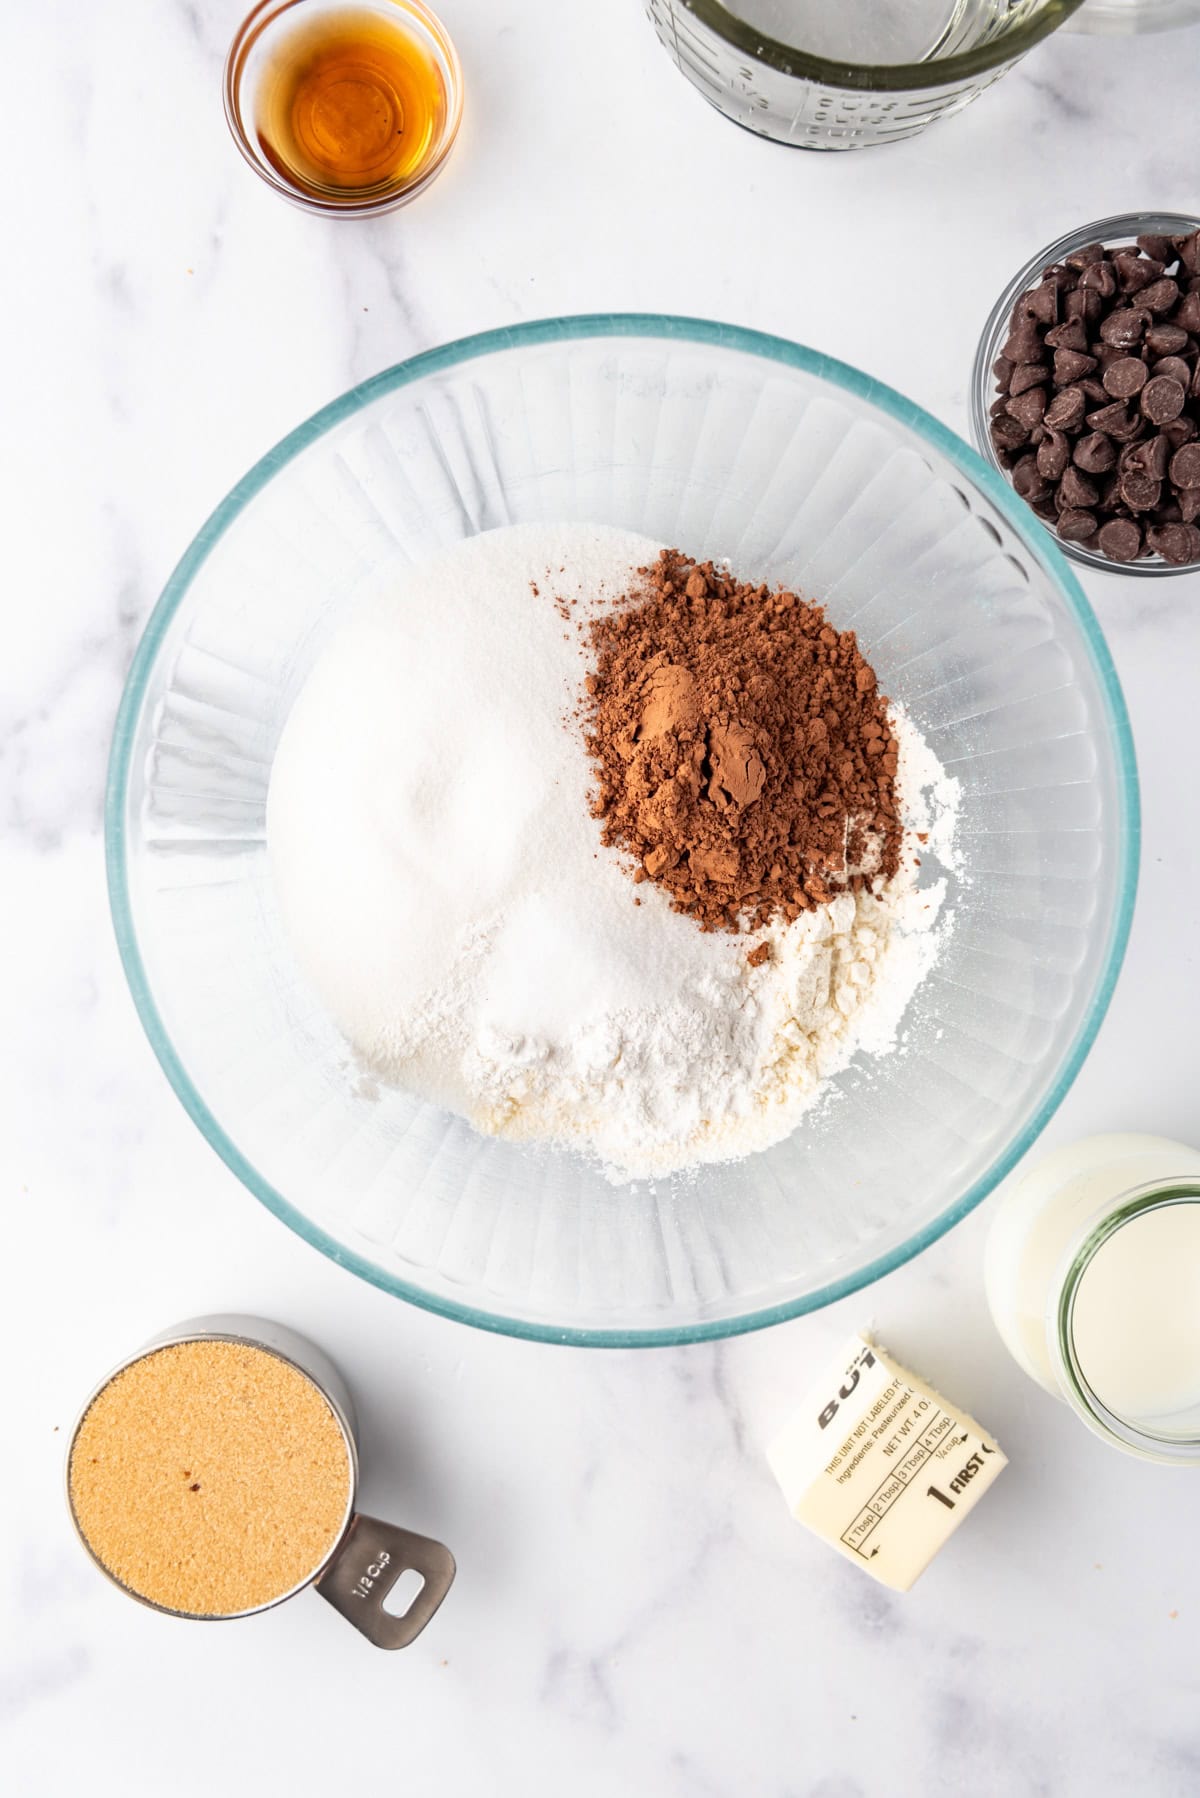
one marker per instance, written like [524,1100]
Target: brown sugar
[210,1477]
[744,756]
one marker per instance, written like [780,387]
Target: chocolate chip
[1065,411]
[1110,492]
[1029,480]
[1095,444]
[1116,421]
[1070,335]
[1119,420]
[1162,399]
[1178,431]
[1187,314]
[1134,272]
[1101,278]
[1141,492]
[1040,303]
[1095,453]
[1185,466]
[1022,343]
[1125,327]
[1152,456]
[1159,297]
[1075,489]
[1125,377]
[1172,368]
[1188,251]
[1027,408]
[1053,455]
[1076,526]
[1069,365]
[1177,543]
[1121,540]
[1168,340]
[1084,303]
[1008,434]
[1034,374]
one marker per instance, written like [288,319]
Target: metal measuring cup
[369,1555]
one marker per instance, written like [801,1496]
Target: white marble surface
[635,1614]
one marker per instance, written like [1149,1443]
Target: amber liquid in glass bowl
[351,102]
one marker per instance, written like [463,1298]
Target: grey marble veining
[635,1613]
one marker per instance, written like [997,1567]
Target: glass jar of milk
[1093,1278]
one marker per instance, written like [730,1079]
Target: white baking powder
[443,884]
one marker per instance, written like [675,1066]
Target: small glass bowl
[260,36]
[1123,228]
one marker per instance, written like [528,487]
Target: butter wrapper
[880,1465]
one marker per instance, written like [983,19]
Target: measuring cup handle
[370,1560]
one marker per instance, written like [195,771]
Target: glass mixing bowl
[802,471]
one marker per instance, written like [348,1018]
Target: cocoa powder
[743,752]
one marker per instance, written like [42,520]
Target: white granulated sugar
[444,887]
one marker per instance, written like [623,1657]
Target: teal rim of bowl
[567,330]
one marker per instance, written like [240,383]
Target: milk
[1136,1320]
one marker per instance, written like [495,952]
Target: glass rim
[1085,1401]
[898,77]
[981,393]
[514,338]
[244,1341]
[262,15]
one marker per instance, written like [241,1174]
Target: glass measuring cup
[367,1557]
[1122,18]
[824,77]
[1091,1275]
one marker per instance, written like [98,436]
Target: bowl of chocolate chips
[1086,391]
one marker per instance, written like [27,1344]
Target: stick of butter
[881,1465]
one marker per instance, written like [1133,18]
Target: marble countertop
[635,1613]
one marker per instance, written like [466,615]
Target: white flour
[444,887]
